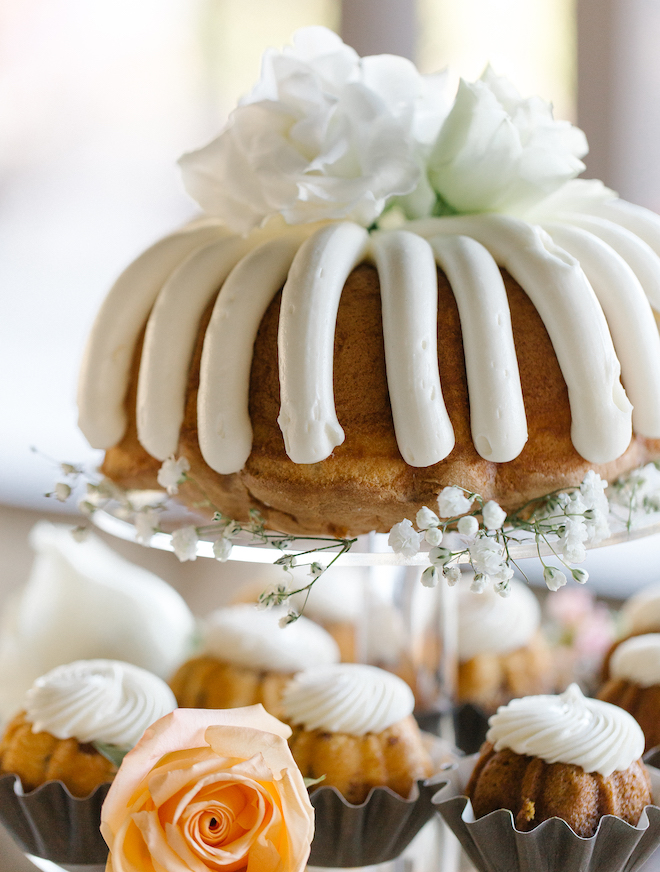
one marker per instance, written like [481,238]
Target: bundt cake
[561,756]
[247,658]
[639,615]
[70,709]
[634,683]
[353,726]
[501,651]
[316,361]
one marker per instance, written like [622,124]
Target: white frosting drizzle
[409,294]
[641,613]
[569,728]
[491,624]
[630,319]
[640,221]
[170,340]
[497,411]
[553,279]
[641,258]
[347,698]
[98,701]
[104,374]
[601,426]
[223,420]
[246,636]
[310,300]
[638,660]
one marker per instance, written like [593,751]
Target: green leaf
[310,782]
[114,753]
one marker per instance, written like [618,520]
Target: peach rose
[209,790]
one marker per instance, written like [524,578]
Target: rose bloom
[209,790]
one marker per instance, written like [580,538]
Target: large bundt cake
[564,756]
[335,374]
[70,709]
[634,683]
[353,726]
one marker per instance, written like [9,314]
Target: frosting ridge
[638,660]
[247,636]
[98,701]
[569,728]
[347,698]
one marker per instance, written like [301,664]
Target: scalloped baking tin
[50,823]
[493,844]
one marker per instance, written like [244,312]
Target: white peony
[323,135]
[497,152]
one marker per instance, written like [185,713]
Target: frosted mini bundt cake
[563,756]
[634,683]
[501,650]
[247,658]
[353,724]
[71,708]
[369,312]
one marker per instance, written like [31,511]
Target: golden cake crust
[40,757]
[365,484]
[535,791]
[394,758]
[205,682]
[643,703]
[492,679]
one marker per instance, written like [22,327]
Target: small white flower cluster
[637,492]
[567,522]
[486,548]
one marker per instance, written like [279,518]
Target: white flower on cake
[323,135]
[498,152]
[172,473]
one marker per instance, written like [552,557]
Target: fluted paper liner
[493,843]
[380,828]
[50,823]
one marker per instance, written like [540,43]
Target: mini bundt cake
[247,658]
[639,615]
[634,683]
[561,756]
[353,726]
[74,706]
[335,375]
[501,651]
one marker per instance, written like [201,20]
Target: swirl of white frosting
[569,728]
[488,622]
[347,698]
[641,613]
[243,635]
[638,660]
[98,701]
